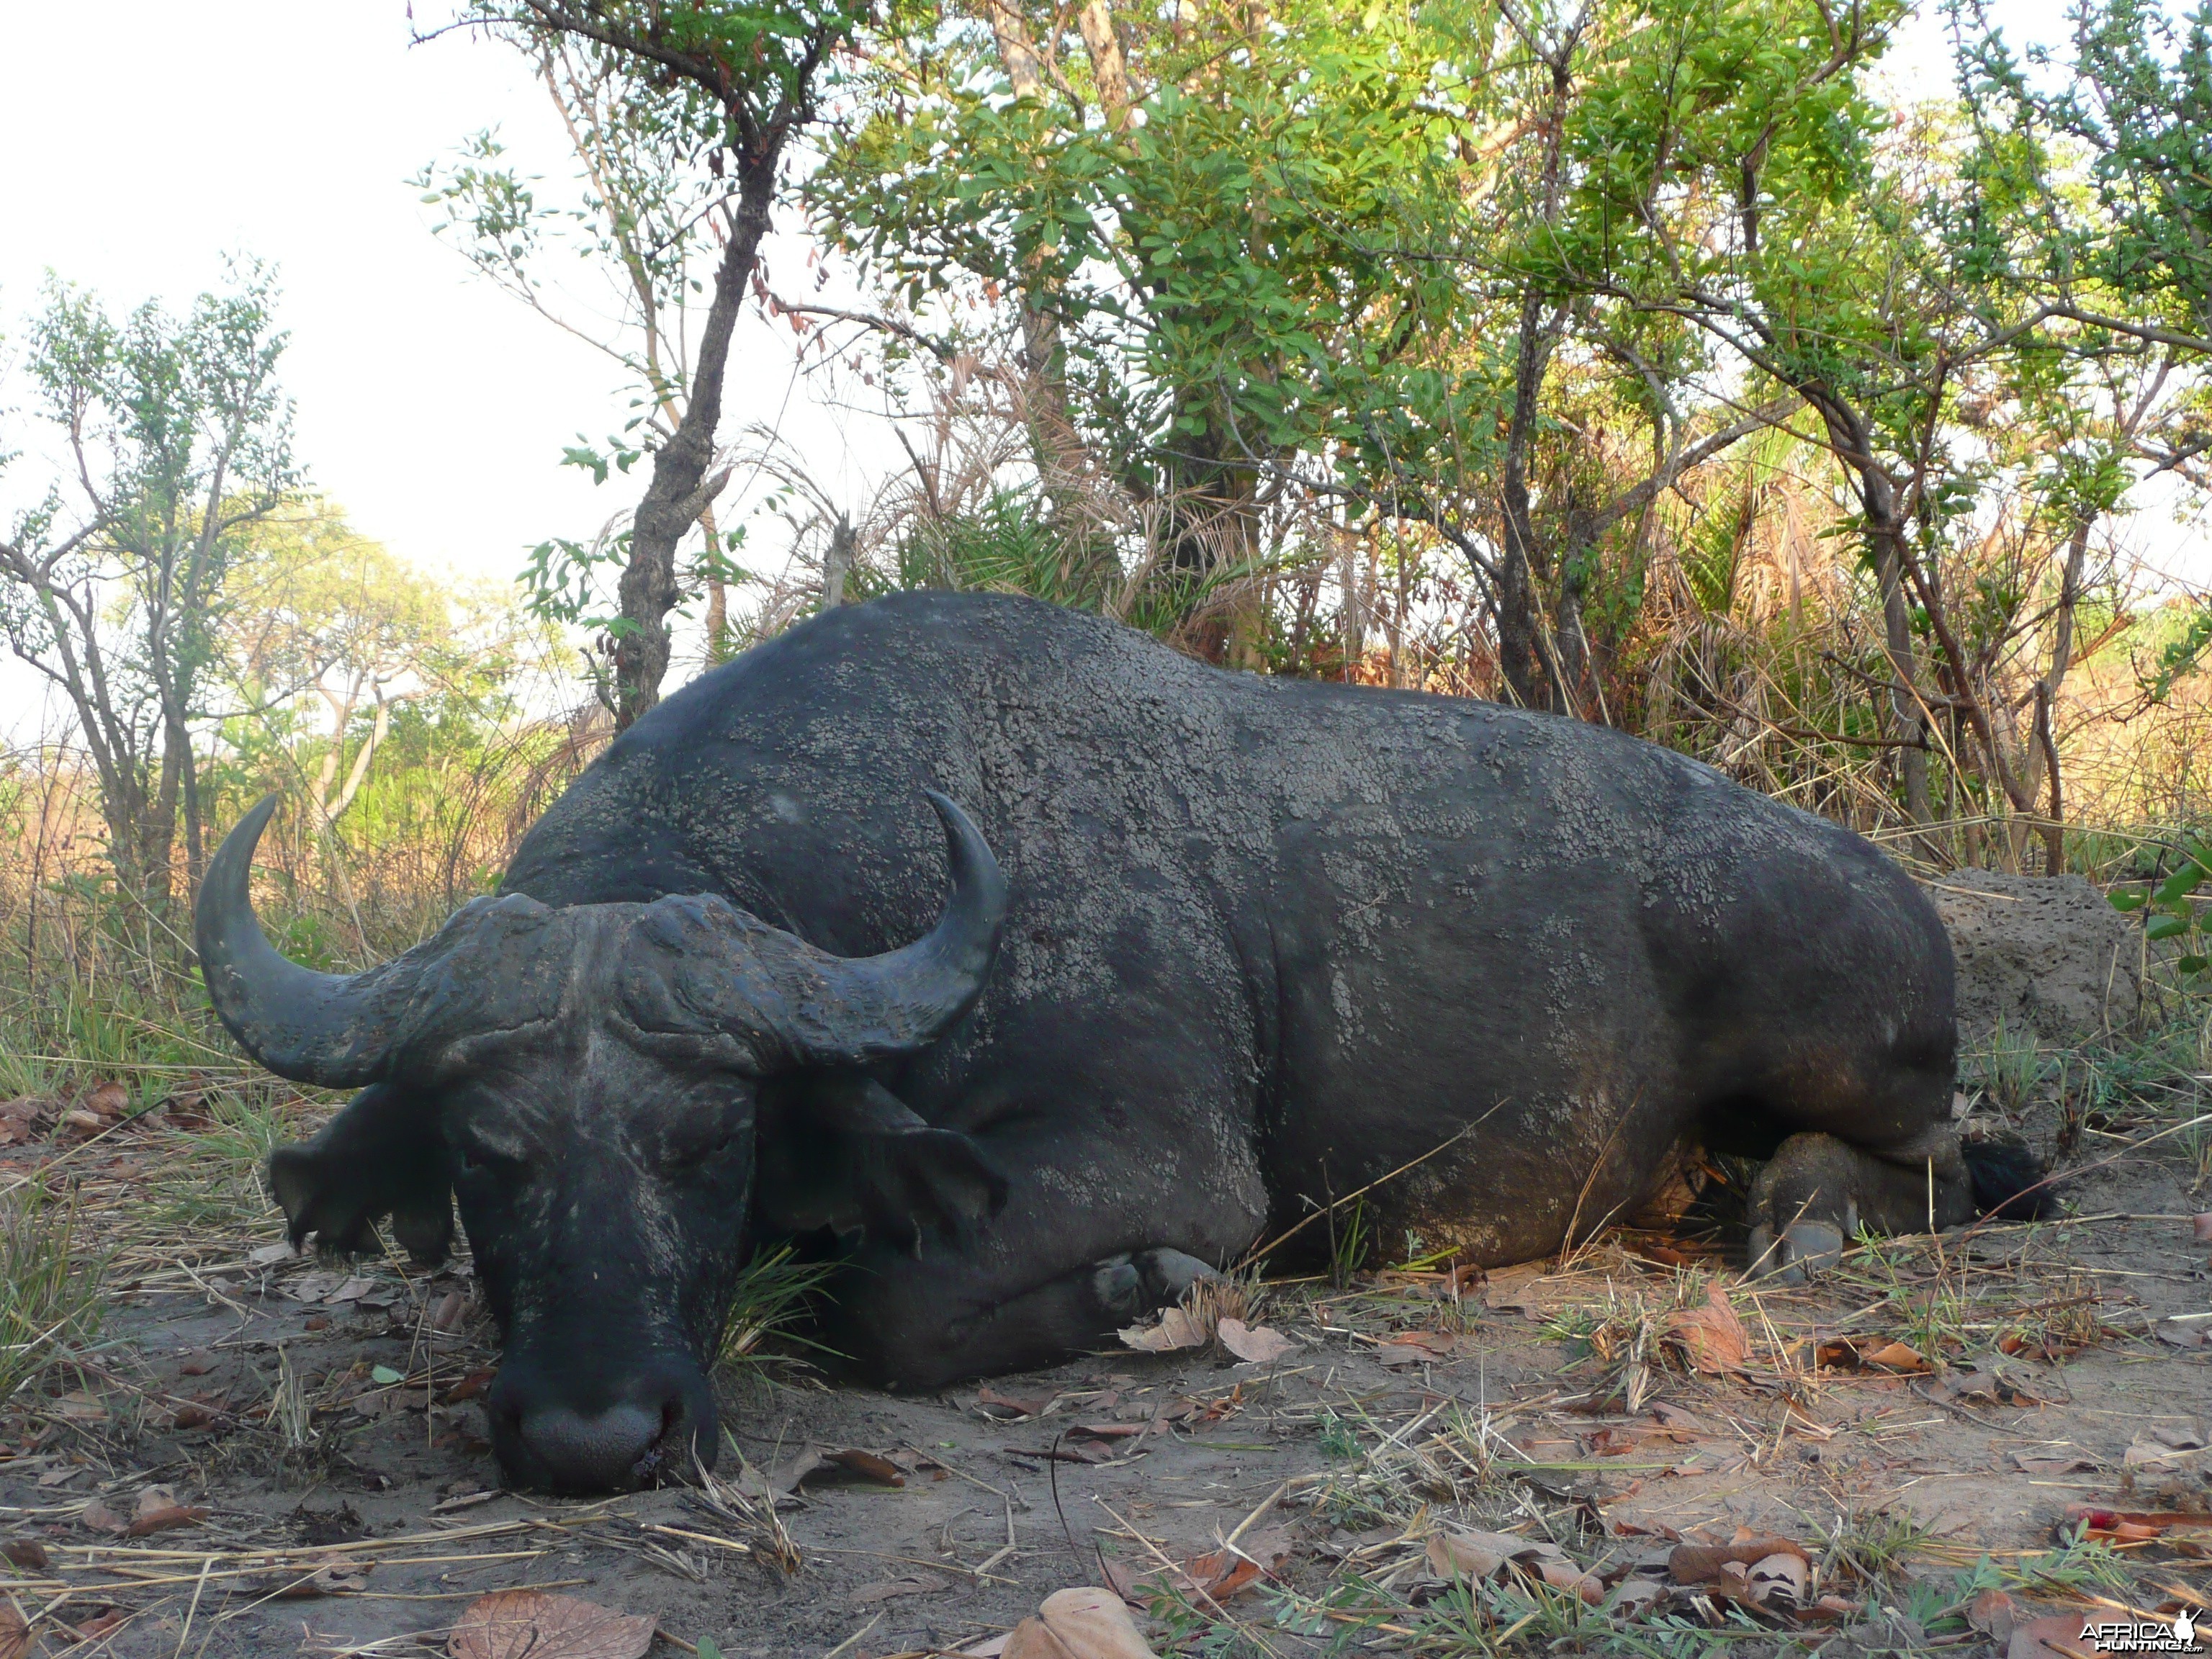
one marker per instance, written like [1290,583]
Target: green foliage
[2170,909]
[178,442]
[775,1295]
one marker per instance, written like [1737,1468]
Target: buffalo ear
[855,1157]
[382,1155]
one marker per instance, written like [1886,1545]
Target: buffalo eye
[471,1160]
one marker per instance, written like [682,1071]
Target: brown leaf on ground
[2054,1463]
[107,1100]
[1780,1579]
[1176,1329]
[869,1466]
[1711,1339]
[1995,1614]
[100,1518]
[1084,1623]
[2059,1636]
[1454,1552]
[20,1120]
[1214,1575]
[2131,1526]
[1256,1344]
[468,1388]
[2201,1227]
[1006,1407]
[15,1632]
[28,1553]
[1850,1354]
[1417,1347]
[1631,1598]
[160,1520]
[528,1624]
[1702,1563]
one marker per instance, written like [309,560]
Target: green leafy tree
[683,115]
[171,438]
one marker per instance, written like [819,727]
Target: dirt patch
[2044,955]
[1937,1409]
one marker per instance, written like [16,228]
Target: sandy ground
[329,1428]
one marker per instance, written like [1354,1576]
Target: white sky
[433,407]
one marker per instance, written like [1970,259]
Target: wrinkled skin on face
[603,1176]
[586,1082]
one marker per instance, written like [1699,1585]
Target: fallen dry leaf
[528,1624]
[1486,1554]
[25,1552]
[1256,1344]
[1781,1577]
[1006,1407]
[160,1520]
[1711,1339]
[1417,1347]
[1995,1614]
[15,1633]
[1702,1563]
[2132,1526]
[109,1099]
[468,1388]
[1084,1622]
[1176,1329]
[1897,1357]
[2201,1227]
[1632,1598]
[2059,1636]
[869,1466]
[2054,1463]
[1215,1575]
[98,1516]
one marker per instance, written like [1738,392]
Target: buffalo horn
[896,1003]
[313,1028]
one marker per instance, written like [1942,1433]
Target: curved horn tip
[968,850]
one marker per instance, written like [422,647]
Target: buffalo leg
[921,1322]
[1817,1191]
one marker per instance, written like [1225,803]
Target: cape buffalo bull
[1218,949]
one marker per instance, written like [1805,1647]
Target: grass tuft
[51,1286]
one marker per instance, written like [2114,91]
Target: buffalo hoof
[1805,1247]
[1137,1283]
[1118,1286]
[1168,1273]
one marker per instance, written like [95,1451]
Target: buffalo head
[585,1081]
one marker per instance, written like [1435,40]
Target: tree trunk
[1521,651]
[2046,692]
[680,489]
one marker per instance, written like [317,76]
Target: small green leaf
[709,1648]
[2181,885]
[385,1376]
[2194,964]
[2165,927]
[2124,901]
